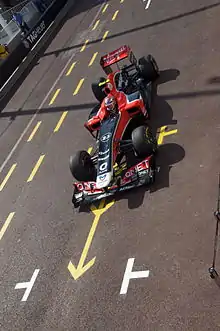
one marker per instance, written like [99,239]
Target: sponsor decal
[106,137]
[103,167]
[109,57]
[104,158]
[138,168]
[36,32]
[102,153]
[102,177]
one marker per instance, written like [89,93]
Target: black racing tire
[143,141]
[94,111]
[98,90]
[82,167]
[148,68]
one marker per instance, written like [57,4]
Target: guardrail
[18,60]
[10,29]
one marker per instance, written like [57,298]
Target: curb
[6,88]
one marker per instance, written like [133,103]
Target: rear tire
[148,68]
[143,141]
[98,90]
[81,167]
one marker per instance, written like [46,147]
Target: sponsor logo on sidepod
[106,137]
[102,177]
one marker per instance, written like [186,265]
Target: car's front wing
[141,174]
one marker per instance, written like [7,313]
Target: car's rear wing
[113,57]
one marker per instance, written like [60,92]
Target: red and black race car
[125,153]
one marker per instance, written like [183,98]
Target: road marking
[78,271]
[54,96]
[60,121]
[129,274]
[28,285]
[14,148]
[115,15]
[90,150]
[96,24]
[36,167]
[148,4]
[79,86]
[163,133]
[71,68]
[34,131]
[105,8]
[104,36]
[93,59]
[6,224]
[7,176]
[84,46]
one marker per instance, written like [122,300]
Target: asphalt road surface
[49,278]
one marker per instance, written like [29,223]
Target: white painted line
[148,4]
[129,274]
[96,16]
[7,159]
[6,225]
[27,285]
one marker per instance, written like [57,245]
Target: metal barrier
[12,66]
[9,32]
[10,29]
[8,14]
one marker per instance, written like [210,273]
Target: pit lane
[167,231]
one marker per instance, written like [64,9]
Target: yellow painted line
[79,86]
[84,46]
[34,131]
[78,271]
[163,133]
[71,69]
[55,96]
[96,24]
[105,8]
[90,150]
[60,121]
[115,15]
[93,59]
[7,176]
[6,225]
[36,167]
[104,36]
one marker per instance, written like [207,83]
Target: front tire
[143,141]
[82,167]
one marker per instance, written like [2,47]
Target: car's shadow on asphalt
[168,155]
[161,112]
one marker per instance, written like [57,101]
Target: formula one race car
[125,153]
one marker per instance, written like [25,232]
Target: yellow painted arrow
[78,271]
[163,133]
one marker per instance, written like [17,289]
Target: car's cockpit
[126,83]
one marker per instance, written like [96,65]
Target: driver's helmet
[111,104]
